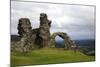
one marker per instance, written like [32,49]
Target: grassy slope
[48,56]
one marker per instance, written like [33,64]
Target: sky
[78,21]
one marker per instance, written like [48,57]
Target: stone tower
[25,33]
[44,30]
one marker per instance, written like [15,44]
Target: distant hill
[15,38]
[85,42]
[86,46]
[59,44]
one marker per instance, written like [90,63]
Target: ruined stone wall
[69,44]
[25,33]
[29,38]
[44,30]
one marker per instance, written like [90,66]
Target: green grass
[48,56]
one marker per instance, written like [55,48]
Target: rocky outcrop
[69,44]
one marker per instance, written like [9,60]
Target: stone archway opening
[68,43]
[59,42]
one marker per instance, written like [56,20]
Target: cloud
[76,20]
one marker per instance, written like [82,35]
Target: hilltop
[49,56]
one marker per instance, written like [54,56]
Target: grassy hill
[48,56]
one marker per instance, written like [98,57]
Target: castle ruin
[40,37]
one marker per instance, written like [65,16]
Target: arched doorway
[59,42]
[68,43]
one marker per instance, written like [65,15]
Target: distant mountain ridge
[86,46]
[15,38]
[85,42]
